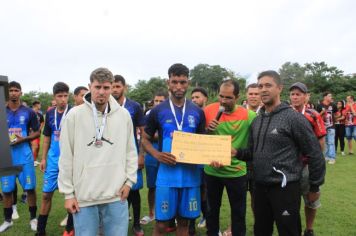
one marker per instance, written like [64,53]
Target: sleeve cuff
[69,196]
[129,183]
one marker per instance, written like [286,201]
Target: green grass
[336,217]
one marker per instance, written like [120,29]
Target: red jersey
[316,121]
[317,124]
[350,117]
[339,114]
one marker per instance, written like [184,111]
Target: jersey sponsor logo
[15,131]
[22,120]
[191,121]
[169,121]
[164,206]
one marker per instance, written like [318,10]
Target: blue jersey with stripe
[20,122]
[137,120]
[161,119]
[136,114]
[50,130]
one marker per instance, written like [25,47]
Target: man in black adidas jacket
[278,137]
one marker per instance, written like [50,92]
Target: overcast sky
[42,42]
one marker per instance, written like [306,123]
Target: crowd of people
[95,151]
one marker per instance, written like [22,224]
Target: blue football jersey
[20,122]
[50,130]
[161,119]
[136,114]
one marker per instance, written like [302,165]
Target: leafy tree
[144,90]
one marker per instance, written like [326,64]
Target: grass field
[336,217]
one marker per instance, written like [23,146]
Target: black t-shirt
[328,116]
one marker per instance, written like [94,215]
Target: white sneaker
[332,162]
[5,226]
[15,214]
[64,221]
[33,224]
[202,223]
[342,153]
[35,163]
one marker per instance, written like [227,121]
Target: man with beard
[98,161]
[20,121]
[178,184]
[135,110]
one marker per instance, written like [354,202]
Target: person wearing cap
[278,137]
[299,96]
[199,96]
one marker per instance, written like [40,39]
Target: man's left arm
[140,121]
[309,147]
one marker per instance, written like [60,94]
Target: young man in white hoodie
[98,162]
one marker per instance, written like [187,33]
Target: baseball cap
[302,87]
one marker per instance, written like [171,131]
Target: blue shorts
[350,132]
[50,177]
[27,179]
[151,176]
[139,183]
[171,202]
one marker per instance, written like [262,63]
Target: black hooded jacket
[277,141]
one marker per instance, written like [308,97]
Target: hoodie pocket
[99,183]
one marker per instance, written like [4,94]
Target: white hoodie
[90,174]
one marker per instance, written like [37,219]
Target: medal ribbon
[99,130]
[55,118]
[179,125]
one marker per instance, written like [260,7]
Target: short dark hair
[14,84]
[101,75]
[201,90]
[36,103]
[253,85]
[271,73]
[78,89]
[161,93]
[233,83]
[326,94]
[119,78]
[178,69]
[60,87]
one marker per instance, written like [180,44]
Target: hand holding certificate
[201,149]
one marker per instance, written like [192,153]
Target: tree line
[318,76]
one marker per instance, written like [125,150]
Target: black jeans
[340,135]
[236,191]
[274,203]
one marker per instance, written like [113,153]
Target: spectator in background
[199,96]
[340,116]
[327,110]
[350,123]
[79,94]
